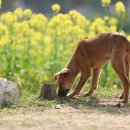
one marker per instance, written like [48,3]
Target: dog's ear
[65,72]
[55,76]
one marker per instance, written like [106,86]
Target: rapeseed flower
[18,12]
[74,14]
[56,8]
[128,37]
[8,18]
[36,36]
[38,22]
[5,40]
[113,21]
[105,2]
[91,34]
[98,22]
[83,22]
[3,29]
[119,7]
[27,12]
[0,3]
[113,28]
[106,18]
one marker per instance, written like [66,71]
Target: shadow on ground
[107,105]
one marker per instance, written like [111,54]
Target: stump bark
[48,91]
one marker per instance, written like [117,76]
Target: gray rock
[8,90]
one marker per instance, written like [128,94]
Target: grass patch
[30,101]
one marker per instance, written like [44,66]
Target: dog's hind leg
[95,79]
[126,72]
[118,63]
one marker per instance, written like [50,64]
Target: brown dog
[92,54]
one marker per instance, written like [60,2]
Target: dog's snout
[62,92]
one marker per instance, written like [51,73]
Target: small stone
[58,106]
[80,106]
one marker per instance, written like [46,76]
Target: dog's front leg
[95,79]
[84,77]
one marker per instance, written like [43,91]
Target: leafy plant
[33,47]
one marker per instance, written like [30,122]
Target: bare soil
[103,114]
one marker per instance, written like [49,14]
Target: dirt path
[102,115]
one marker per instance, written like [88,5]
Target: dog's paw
[77,97]
[87,94]
[73,96]
[70,95]
[121,97]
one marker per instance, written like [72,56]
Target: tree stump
[48,91]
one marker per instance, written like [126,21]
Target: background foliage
[33,47]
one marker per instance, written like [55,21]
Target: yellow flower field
[33,47]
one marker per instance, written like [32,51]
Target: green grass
[30,101]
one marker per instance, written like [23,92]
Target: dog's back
[100,49]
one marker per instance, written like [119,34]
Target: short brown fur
[89,57]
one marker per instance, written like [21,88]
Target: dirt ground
[97,115]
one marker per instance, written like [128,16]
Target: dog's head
[65,80]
